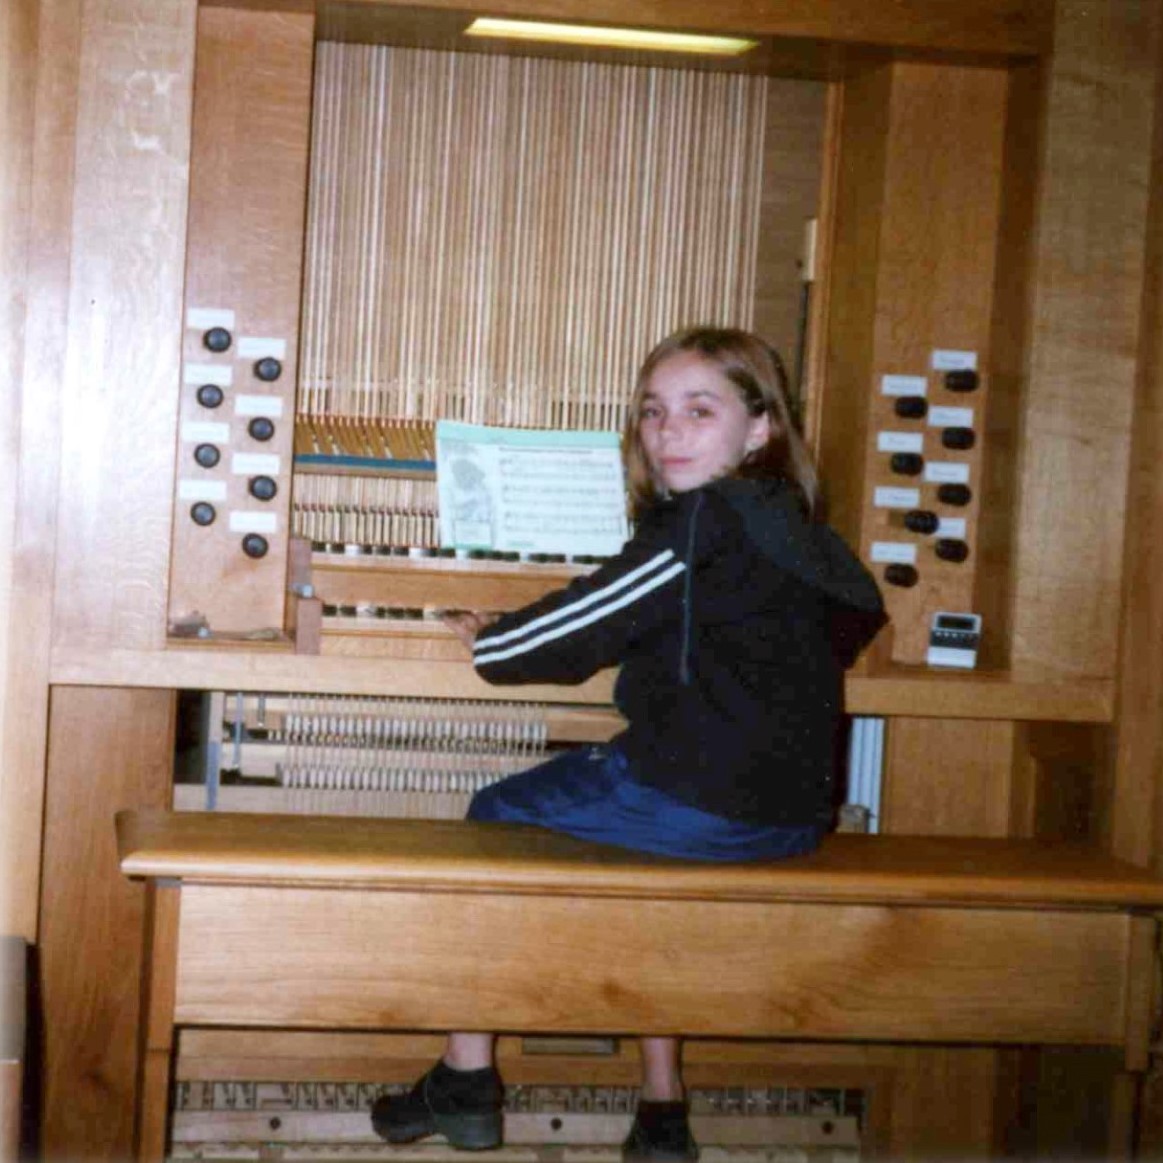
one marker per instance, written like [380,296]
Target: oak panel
[257,666]
[933,288]
[967,792]
[459,855]
[118,397]
[1009,339]
[1088,253]
[411,960]
[859,128]
[107,750]
[248,193]
[36,125]
[1132,818]
[793,160]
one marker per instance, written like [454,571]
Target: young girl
[732,614]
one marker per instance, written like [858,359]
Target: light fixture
[595,36]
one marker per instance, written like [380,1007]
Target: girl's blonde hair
[758,375]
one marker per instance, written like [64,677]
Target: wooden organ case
[377,228]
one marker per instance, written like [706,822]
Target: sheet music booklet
[530,491]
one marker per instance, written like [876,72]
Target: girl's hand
[467,624]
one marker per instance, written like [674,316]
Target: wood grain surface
[461,856]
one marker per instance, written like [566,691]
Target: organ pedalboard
[288,1120]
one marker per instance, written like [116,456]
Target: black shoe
[462,1105]
[661,1133]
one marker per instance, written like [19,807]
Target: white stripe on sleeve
[488,654]
[599,595]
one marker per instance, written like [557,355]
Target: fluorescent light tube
[599,37]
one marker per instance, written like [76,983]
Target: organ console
[380,228]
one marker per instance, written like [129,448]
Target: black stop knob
[203,513]
[921,521]
[959,438]
[954,494]
[255,545]
[261,428]
[210,395]
[910,407]
[207,455]
[962,379]
[263,488]
[907,464]
[217,339]
[950,549]
[268,369]
[899,574]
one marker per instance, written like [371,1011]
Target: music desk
[300,922]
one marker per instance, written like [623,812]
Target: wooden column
[118,398]
[1090,267]
[1133,823]
[39,63]
[1131,819]
[108,749]
[1086,595]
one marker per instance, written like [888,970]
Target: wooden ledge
[914,692]
[446,856]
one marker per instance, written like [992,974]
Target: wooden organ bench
[322,922]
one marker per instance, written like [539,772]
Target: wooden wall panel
[841,401]
[38,151]
[1089,264]
[948,777]
[944,1104]
[1009,340]
[934,282]
[793,162]
[18,69]
[18,75]
[920,153]
[119,393]
[108,750]
[1131,805]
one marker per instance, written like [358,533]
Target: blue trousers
[592,794]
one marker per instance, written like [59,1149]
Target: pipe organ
[474,249]
[500,239]
[484,238]
[491,239]
[382,228]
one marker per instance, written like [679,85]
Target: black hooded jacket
[733,618]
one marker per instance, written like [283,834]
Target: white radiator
[865,765]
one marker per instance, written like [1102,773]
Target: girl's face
[693,424]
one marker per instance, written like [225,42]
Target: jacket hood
[814,553]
